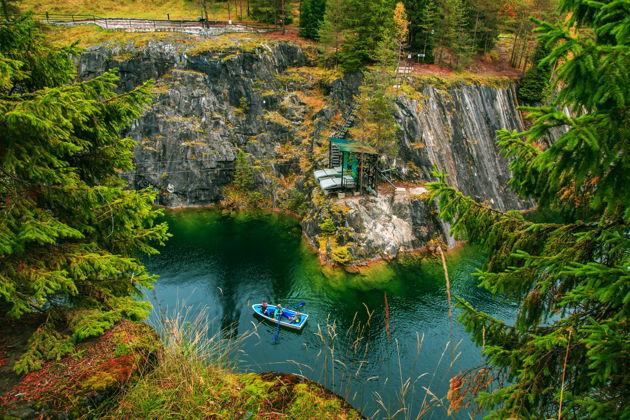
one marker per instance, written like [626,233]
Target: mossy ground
[211,393]
[90,35]
[96,369]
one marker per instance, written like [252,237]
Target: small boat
[290,319]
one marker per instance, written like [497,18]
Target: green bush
[342,255]
[328,227]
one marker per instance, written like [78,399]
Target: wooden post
[343,160]
[330,153]
[362,161]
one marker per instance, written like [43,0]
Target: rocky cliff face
[208,105]
[455,129]
[268,103]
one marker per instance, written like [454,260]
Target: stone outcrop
[267,99]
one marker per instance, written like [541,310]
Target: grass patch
[242,41]
[146,9]
[195,379]
[444,82]
[90,35]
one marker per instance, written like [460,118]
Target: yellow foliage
[276,117]
[341,254]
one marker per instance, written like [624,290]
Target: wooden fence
[195,27]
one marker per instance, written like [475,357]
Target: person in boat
[279,312]
[264,308]
[295,318]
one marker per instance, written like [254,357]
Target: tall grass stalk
[344,368]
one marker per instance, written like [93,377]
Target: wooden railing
[192,26]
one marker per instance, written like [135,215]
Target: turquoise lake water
[223,262]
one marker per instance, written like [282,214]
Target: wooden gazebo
[352,166]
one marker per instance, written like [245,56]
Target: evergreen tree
[9,9]
[427,37]
[243,173]
[364,21]
[375,123]
[270,11]
[70,231]
[451,31]
[568,353]
[331,31]
[483,23]
[535,84]
[311,18]
[423,18]
[42,65]
[387,53]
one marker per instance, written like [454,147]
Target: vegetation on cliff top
[568,353]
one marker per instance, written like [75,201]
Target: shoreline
[323,261]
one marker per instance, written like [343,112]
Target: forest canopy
[445,32]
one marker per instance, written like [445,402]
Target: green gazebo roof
[354,146]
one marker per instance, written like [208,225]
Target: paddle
[275,337]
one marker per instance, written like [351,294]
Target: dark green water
[227,262]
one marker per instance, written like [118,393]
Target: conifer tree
[453,40]
[331,31]
[243,173]
[535,84]
[9,9]
[426,26]
[364,21]
[70,232]
[311,17]
[568,353]
[375,123]
[394,36]
[271,11]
